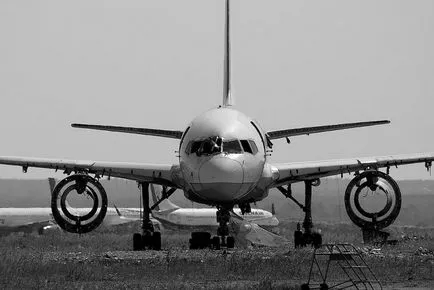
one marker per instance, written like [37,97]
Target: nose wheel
[201,240]
[223,217]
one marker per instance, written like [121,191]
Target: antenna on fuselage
[227,96]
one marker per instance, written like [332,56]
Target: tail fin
[165,204]
[52,183]
[227,96]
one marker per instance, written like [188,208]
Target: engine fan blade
[247,231]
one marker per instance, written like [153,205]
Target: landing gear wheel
[150,241]
[316,240]
[192,244]
[230,242]
[200,240]
[137,242]
[147,241]
[156,241]
[215,242]
[298,239]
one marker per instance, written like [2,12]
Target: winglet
[227,96]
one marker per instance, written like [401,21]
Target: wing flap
[131,130]
[299,171]
[319,129]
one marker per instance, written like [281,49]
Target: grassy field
[102,259]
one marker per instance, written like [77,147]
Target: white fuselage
[32,216]
[222,159]
[195,218]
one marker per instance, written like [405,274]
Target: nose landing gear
[201,240]
[223,216]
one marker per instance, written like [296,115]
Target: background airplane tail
[52,183]
[165,205]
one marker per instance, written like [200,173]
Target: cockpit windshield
[215,145]
[211,145]
[232,146]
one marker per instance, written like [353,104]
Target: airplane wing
[131,130]
[319,129]
[154,173]
[300,171]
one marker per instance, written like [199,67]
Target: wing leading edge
[319,129]
[154,173]
[300,171]
[174,134]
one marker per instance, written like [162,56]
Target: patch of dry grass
[102,259]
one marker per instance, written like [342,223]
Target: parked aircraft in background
[40,219]
[174,217]
[223,162]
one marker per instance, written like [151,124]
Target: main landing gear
[148,239]
[201,240]
[309,236]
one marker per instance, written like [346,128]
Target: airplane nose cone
[221,178]
[221,169]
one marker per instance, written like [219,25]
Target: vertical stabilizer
[165,204]
[227,96]
[52,183]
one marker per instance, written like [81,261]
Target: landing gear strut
[149,239]
[245,208]
[309,236]
[223,216]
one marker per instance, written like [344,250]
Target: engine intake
[79,220]
[375,182]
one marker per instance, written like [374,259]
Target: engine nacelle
[373,182]
[79,220]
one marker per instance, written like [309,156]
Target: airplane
[40,219]
[223,162]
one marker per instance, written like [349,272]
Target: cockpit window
[215,145]
[249,146]
[246,146]
[208,146]
[195,145]
[232,146]
[253,146]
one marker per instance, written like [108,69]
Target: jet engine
[375,190]
[90,201]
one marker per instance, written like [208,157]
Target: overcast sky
[158,64]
